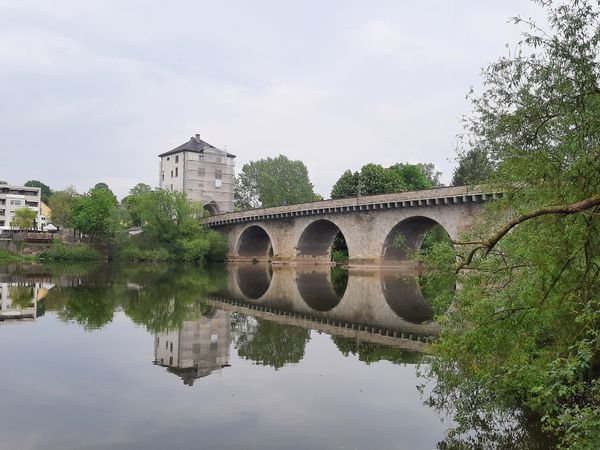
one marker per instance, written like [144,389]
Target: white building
[13,198]
[202,171]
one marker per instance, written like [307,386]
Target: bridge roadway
[370,225]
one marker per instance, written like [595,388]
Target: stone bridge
[370,225]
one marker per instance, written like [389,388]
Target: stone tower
[202,171]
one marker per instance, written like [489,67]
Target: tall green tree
[272,182]
[61,205]
[45,190]
[524,329]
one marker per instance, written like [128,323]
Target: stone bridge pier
[379,230]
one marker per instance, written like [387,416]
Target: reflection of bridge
[370,225]
[376,306]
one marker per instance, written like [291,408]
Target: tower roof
[195,145]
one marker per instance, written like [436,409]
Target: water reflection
[379,303]
[22,300]
[322,290]
[403,294]
[322,327]
[195,349]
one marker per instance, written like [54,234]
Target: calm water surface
[155,357]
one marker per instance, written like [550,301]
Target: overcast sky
[94,90]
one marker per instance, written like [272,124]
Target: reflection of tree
[21,296]
[169,297]
[369,352]
[483,420]
[90,306]
[157,296]
[339,280]
[268,343]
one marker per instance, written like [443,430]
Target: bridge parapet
[425,197]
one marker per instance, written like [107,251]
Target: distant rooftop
[196,145]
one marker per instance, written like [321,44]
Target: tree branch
[490,243]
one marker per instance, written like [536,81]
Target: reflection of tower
[197,348]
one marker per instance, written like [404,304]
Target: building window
[168,159]
[201,172]
[171,349]
[163,176]
[201,156]
[219,160]
[176,171]
[171,174]
[218,174]
[177,159]
[170,360]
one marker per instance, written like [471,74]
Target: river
[102,356]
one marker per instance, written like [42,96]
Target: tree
[101,185]
[132,202]
[24,219]
[474,167]
[272,182]
[524,329]
[61,205]
[46,192]
[170,219]
[375,179]
[95,213]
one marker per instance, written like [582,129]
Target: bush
[135,253]
[61,252]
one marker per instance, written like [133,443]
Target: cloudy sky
[94,90]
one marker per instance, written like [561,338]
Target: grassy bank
[6,256]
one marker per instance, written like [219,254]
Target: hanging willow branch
[488,244]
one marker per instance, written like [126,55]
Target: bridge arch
[405,239]
[255,243]
[212,208]
[316,240]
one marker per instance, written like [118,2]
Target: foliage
[474,167]
[523,331]
[369,353]
[375,179]
[273,182]
[171,224]
[5,256]
[269,343]
[95,213]
[21,296]
[132,202]
[61,252]
[61,204]
[24,219]
[160,297]
[45,191]
[101,185]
